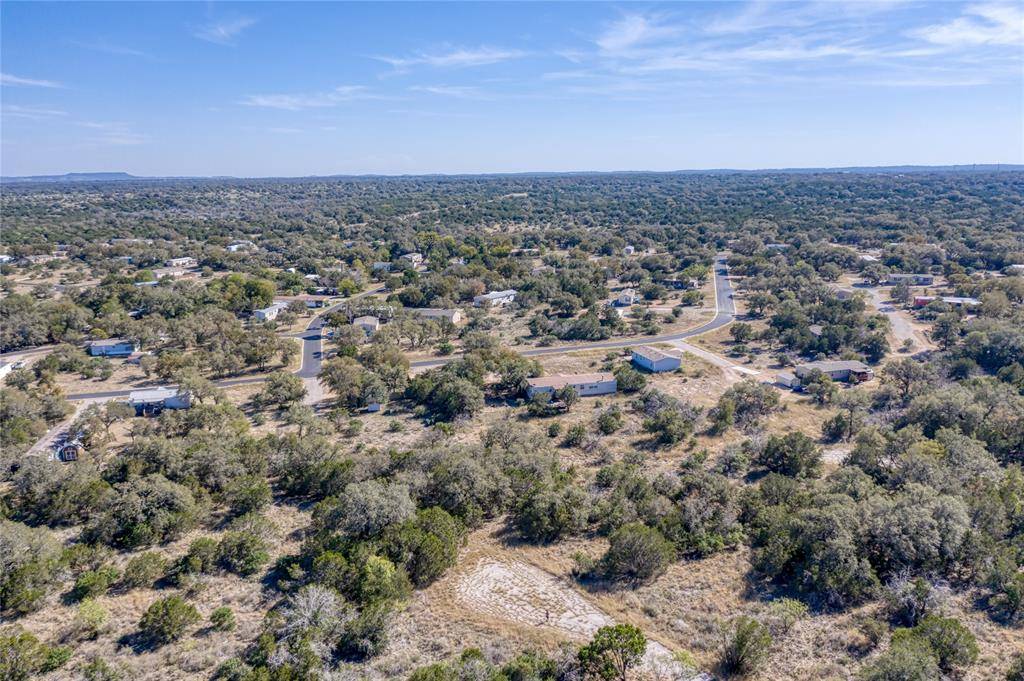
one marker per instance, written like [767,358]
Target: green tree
[613,651]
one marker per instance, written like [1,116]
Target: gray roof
[652,353]
[110,343]
[837,365]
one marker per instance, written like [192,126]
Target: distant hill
[889,170]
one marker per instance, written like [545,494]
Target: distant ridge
[887,170]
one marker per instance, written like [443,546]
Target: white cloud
[460,57]
[990,24]
[110,48]
[225,31]
[8,79]
[312,100]
[113,134]
[457,91]
[634,30]
[31,112]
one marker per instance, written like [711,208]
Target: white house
[914,279]
[627,297]
[112,347]
[454,316]
[955,301]
[787,380]
[156,400]
[187,261]
[368,324]
[236,246]
[170,272]
[414,259]
[495,298]
[585,384]
[655,359]
[268,314]
[841,370]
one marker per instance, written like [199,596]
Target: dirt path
[903,328]
[517,592]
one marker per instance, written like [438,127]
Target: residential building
[679,284]
[311,301]
[6,368]
[368,324]
[787,380]
[495,298]
[1015,269]
[170,272]
[840,370]
[415,259]
[816,329]
[186,261]
[236,246]
[112,347]
[585,384]
[913,279]
[776,246]
[844,294]
[152,402]
[454,316]
[654,359]
[381,267]
[955,301]
[627,297]
[269,313]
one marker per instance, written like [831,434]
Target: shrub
[951,642]
[747,648]
[22,656]
[167,620]
[90,619]
[550,514]
[575,435]
[248,493]
[908,601]
[143,570]
[1016,670]
[366,635]
[426,545]
[793,454]
[636,553]
[222,619]
[613,651]
[784,613]
[93,583]
[100,670]
[242,552]
[201,558]
[628,379]
[610,420]
[912,660]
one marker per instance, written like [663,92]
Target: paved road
[312,338]
[725,312]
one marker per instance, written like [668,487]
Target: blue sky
[323,88]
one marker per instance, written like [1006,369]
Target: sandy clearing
[517,592]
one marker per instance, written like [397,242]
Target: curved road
[312,338]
